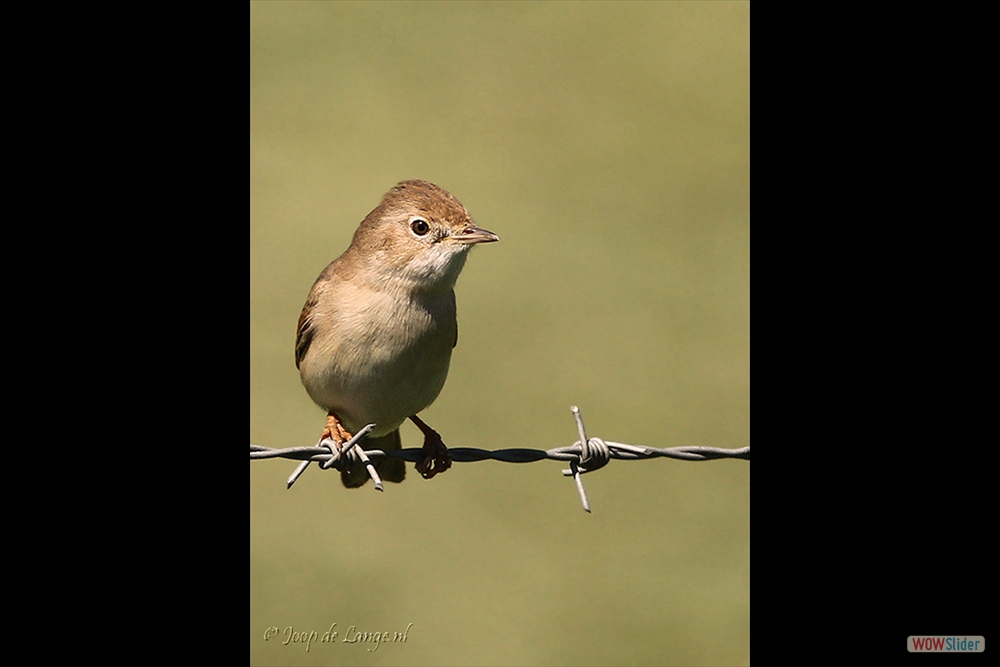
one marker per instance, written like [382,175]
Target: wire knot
[339,458]
[599,455]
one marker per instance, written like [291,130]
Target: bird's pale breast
[380,355]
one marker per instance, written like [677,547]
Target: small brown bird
[376,333]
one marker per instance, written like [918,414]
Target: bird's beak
[475,235]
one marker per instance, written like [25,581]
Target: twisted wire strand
[616,450]
[595,454]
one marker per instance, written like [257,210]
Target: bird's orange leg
[334,430]
[436,458]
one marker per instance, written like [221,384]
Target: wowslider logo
[921,644]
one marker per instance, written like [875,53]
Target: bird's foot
[335,431]
[436,458]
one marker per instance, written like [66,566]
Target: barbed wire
[592,455]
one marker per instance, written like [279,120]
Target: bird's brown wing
[304,333]
[453,345]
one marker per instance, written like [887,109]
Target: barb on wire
[585,455]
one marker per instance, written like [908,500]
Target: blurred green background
[608,145]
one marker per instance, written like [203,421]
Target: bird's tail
[390,470]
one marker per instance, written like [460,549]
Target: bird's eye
[420,226]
